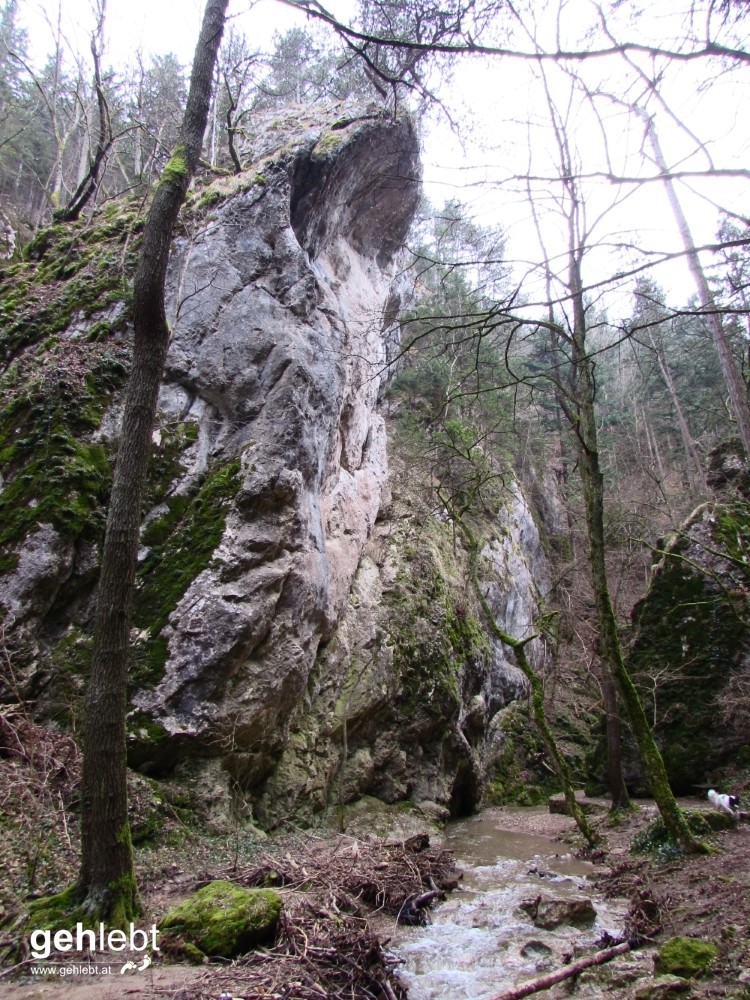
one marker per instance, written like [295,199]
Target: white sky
[155,26]
[496,97]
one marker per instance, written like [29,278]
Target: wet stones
[548,913]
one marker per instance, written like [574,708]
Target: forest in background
[483,347]
[495,373]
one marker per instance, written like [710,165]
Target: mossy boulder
[695,619]
[222,919]
[686,957]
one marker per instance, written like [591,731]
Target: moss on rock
[68,271]
[62,366]
[222,919]
[49,401]
[183,542]
[519,775]
[686,957]
[433,636]
[695,619]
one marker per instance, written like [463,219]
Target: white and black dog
[728,804]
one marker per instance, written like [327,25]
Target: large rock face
[406,700]
[303,634]
[691,648]
[280,301]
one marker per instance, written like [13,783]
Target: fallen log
[567,971]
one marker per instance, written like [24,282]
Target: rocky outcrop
[279,301]
[304,634]
[691,648]
[407,699]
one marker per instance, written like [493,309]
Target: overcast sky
[493,100]
[154,26]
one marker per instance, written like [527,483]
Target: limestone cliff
[303,632]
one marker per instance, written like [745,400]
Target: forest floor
[706,897]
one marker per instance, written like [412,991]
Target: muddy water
[479,943]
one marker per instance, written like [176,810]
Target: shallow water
[479,943]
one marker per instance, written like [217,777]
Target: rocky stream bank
[339,933]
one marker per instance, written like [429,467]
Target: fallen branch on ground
[552,978]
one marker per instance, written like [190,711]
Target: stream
[479,943]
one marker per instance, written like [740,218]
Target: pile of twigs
[325,947]
[39,775]
[629,879]
[312,959]
[401,879]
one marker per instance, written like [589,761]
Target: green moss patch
[655,839]
[54,389]
[49,402]
[518,775]
[68,270]
[59,912]
[695,618]
[222,920]
[433,637]
[182,545]
[686,957]
[176,169]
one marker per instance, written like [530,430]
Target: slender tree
[736,387]
[577,380]
[106,882]
[105,138]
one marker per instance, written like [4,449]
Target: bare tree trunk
[232,131]
[89,183]
[592,481]
[615,781]
[106,882]
[735,385]
[693,466]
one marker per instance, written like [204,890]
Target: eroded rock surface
[304,632]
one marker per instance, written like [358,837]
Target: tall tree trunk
[693,467]
[106,882]
[615,781]
[735,385]
[592,481]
